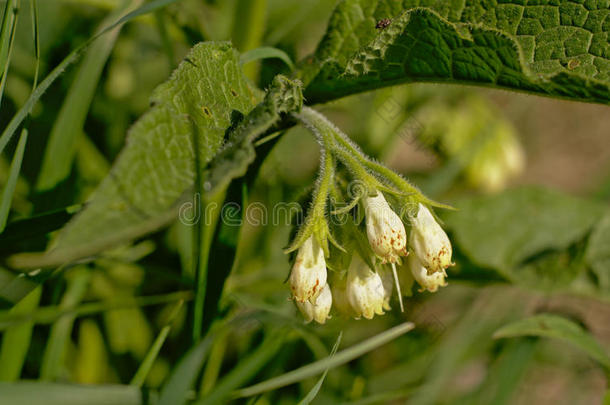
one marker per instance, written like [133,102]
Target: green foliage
[557,327]
[508,232]
[538,48]
[220,128]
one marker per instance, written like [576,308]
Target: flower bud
[427,281]
[430,243]
[364,289]
[317,308]
[308,274]
[385,230]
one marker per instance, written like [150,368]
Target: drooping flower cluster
[364,270]
[366,289]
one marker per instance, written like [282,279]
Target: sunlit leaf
[559,49]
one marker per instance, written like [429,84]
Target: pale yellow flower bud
[308,274]
[430,282]
[317,308]
[364,289]
[385,230]
[430,243]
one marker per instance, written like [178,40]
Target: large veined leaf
[504,231]
[206,100]
[157,168]
[551,47]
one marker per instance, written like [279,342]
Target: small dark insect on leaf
[383,23]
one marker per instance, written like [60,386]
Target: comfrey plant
[384,207]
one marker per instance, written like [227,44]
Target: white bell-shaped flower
[308,274]
[430,242]
[385,230]
[430,282]
[364,289]
[317,308]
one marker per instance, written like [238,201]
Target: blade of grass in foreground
[9,188]
[311,395]
[176,389]
[24,111]
[53,358]
[151,356]
[328,363]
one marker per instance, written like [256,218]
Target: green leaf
[156,170]
[27,393]
[554,48]
[557,327]
[504,230]
[598,252]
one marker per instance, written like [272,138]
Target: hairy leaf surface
[551,47]
[156,170]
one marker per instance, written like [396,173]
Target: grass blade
[327,363]
[16,340]
[9,188]
[36,37]
[60,149]
[311,395]
[7,39]
[53,358]
[180,382]
[151,356]
[246,368]
[25,110]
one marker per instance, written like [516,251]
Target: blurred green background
[446,139]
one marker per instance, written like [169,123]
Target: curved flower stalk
[429,241]
[308,274]
[317,308]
